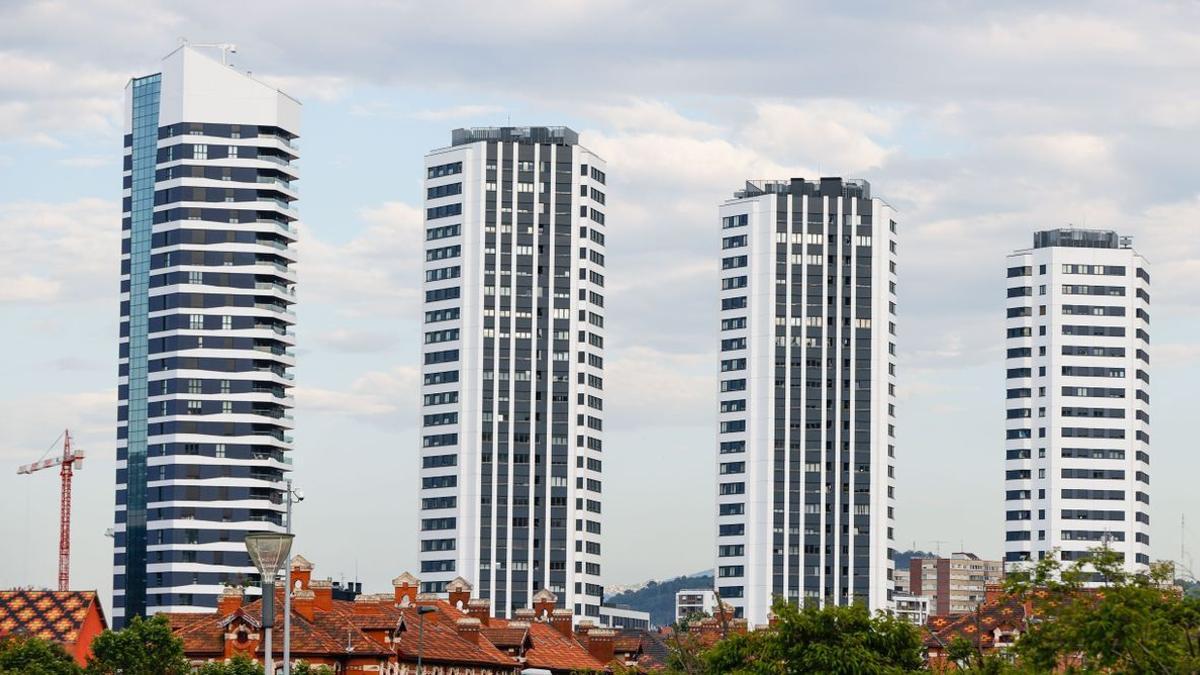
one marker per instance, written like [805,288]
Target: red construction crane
[70,460]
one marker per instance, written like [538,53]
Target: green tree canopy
[1128,623]
[35,656]
[144,647]
[835,640]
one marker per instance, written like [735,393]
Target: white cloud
[649,387]
[458,112]
[389,396]
[642,115]
[377,272]
[357,341]
[59,251]
[837,135]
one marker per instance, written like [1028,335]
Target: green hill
[658,598]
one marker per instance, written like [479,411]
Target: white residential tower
[806,441]
[1077,439]
[513,367]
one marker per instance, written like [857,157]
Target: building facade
[806,442]
[694,602]
[1077,439]
[954,585]
[206,337]
[914,609]
[513,367]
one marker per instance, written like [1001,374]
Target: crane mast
[71,459]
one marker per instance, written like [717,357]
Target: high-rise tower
[206,330]
[513,367]
[1077,427]
[806,443]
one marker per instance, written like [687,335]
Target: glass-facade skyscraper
[511,442]
[206,338]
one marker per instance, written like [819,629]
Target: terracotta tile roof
[1008,614]
[50,615]
[655,651]
[201,633]
[510,637]
[442,640]
[555,651]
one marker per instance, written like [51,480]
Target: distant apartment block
[692,602]
[956,584]
[1077,408]
[512,368]
[620,616]
[806,444]
[914,609]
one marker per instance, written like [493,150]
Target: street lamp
[267,551]
[421,612]
[291,495]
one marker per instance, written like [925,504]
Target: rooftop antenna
[226,48]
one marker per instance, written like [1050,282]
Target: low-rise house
[454,634]
[71,618]
[995,625]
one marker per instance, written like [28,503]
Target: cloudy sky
[979,122]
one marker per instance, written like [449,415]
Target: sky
[980,122]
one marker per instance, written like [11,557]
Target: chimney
[468,629]
[301,572]
[709,627]
[460,592]
[406,586]
[480,609]
[772,620]
[544,602]
[366,604]
[739,626]
[600,644]
[322,594]
[562,619]
[303,602]
[992,593]
[524,614]
[585,626]
[230,600]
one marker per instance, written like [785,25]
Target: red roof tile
[50,615]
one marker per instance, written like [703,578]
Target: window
[199,151]
[443,211]
[740,220]
[444,170]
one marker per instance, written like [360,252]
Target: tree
[305,668]
[144,647]
[831,639]
[1129,623]
[35,656]
[238,665]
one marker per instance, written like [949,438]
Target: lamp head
[268,551]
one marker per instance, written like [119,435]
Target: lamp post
[421,612]
[287,577]
[267,551]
